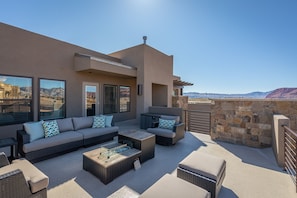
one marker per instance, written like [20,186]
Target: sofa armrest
[3,160]
[13,184]
[23,138]
[179,129]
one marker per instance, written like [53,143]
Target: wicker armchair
[15,179]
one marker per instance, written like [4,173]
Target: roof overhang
[87,63]
[179,83]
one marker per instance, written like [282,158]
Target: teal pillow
[166,124]
[50,128]
[99,122]
[108,120]
[35,130]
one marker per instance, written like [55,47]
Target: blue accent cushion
[99,122]
[35,130]
[108,120]
[50,128]
[166,124]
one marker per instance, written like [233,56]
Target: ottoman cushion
[204,164]
[171,186]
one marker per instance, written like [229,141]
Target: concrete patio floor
[250,173]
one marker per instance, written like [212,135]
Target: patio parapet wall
[249,121]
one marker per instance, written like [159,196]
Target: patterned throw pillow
[50,128]
[166,124]
[99,122]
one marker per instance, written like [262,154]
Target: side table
[141,140]
[13,146]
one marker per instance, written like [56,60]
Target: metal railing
[198,121]
[291,153]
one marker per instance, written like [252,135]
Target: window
[110,99]
[124,98]
[51,99]
[15,99]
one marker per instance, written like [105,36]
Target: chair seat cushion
[204,164]
[36,179]
[162,132]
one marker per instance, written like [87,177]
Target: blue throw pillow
[108,120]
[99,122]
[166,124]
[35,130]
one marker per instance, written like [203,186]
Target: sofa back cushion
[65,124]
[82,122]
[35,130]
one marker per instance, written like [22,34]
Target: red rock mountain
[289,93]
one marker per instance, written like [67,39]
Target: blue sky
[222,46]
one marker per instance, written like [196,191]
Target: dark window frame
[116,110]
[62,111]
[27,104]
[119,98]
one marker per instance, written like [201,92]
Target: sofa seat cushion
[171,186]
[162,132]
[60,139]
[95,132]
[36,179]
[204,164]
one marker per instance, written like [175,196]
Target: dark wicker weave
[106,172]
[14,185]
[179,131]
[208,184]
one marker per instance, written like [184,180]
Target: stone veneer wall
[249,121]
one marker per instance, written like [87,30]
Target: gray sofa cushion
[60,139]
[162,132]
[65,124]
[94,132]
[82,122]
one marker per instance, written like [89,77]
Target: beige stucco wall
[153,68]
[23,53]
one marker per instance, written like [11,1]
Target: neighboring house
[43,78]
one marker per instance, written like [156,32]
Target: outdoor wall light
[139,89]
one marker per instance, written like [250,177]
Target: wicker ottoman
[203,170]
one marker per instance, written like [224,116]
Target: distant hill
[256,94]
[288,93]
[283,93]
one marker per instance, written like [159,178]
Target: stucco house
[44,78]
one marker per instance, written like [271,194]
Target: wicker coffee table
[141,140]
[111,161]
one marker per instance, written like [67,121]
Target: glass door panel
[91,104]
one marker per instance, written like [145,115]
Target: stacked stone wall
[249,121]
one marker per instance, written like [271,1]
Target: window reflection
[51,99]
[15,99]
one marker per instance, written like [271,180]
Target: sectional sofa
[44,139]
